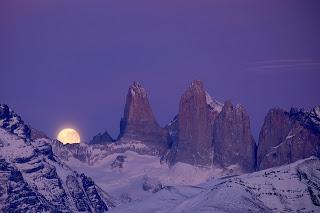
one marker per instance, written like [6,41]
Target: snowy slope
[290,188]
[127,175]
[213,104]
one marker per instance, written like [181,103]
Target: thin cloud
[286,65]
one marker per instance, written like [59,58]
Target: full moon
[68,136]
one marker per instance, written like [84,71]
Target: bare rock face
[288,136]
[197,112]
[138,122]
[276,127]
[233,142]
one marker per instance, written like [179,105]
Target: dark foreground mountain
[33,179]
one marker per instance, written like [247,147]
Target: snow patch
[215,105]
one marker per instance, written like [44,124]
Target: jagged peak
[197,83]
[12,122]
[196,86]
[137,89]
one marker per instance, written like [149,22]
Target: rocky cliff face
[197,112]
[232,139]
[138,122]
[33,179]
[288,136]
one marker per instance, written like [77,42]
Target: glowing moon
[68,136]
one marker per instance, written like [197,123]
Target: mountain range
[204,160]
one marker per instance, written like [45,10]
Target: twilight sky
[70,63]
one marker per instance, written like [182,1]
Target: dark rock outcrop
[93,194]
[196,115]
[288,136]
[233,142]
[138,122]
[102,138]
[77,194]
[12,122]
[118,162]
[151,184]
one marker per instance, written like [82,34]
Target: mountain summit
[138,122]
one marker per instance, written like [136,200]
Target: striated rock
[93,194]
[15,193]
[288,136]
[102,138]
[77,194]
[138,122]
[233,142]
[197,112]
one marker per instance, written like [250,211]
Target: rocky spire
[137,111]
[232,139]
[138,121]
[195,120]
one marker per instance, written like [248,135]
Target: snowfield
[291,188]
[124,178]
[140,183]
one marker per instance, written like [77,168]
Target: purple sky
[70,63]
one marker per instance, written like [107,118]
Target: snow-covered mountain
[33,179]
[197,163]
[36,176]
